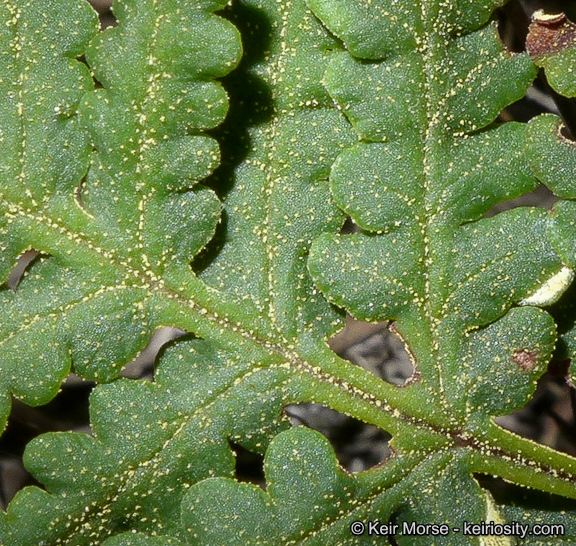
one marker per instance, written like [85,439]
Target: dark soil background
[548,419]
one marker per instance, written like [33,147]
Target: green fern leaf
[425,177]
[382,112]
[44,156]
[95,300]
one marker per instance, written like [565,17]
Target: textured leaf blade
[553,158]
[159,465]
[279,353]
[551,43]
[150,443]
[425,257]
[483,287]
[44,152]
[327,504]
[139,539]
[504,281]
[94,302]
[311,500]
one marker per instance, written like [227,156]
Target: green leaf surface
[553,155]
[137,465]
[545,526]
[427,267]
[311,500]
[44,153]
[559,70]
[425,172]
[143,225]
[553,159]
[139,539]
[551,42]
[110,237]
[153,205]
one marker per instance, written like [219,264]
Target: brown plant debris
[549,33]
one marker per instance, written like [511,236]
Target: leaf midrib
[209,319]
[216,320]
[433,49]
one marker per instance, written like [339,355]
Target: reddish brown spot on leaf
[525,359]
[549,34]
